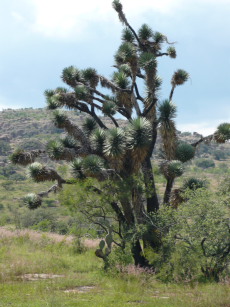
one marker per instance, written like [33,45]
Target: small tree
[119,158]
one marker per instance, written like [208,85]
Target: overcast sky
[41,37]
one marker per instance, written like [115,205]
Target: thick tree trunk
[168,190]
[138,256]
[152,199]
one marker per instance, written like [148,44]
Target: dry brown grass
[6,232]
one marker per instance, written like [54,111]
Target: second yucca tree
[118,156]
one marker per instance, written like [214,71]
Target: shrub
[205,163]
[196,243]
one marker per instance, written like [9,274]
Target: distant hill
[32,128]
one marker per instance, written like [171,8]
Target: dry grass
[6,232]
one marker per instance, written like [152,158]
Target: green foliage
[55,150]
[127,35]
[120,78]
[167,111]
[71,75]
[4,148]
[109,108]
[172,169]
[205,163]
[172,52]
[147,60]
[139,133]
[89,125]
[193,183]
[115,144]
[32,201]
[179,77]
[145,32]
[185,152]
[223,133]
[98,138]
[196,242]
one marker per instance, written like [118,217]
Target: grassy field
[78,279]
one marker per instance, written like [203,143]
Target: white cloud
[58,18]
[204,128]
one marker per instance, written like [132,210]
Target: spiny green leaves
[115,144]
[179,77]
[193,183]
[23,157]
[127,35]
[172,169]
[121,80]
[126,69]
[32,201]
[223,133]
[147,61]
[90,76]
[145,32]
[158,37]
[81,92]
[167,111]
[185,152]
[77,168]
[68,142]
[71,75]
[35,170]
[59,119]
[92,165]
[109,108]
[126,53]
[55,150]
[89,125]
[171,52]
[97,138]
[139,134]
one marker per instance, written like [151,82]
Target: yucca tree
[120,154]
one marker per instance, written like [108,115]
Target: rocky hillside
[32,128]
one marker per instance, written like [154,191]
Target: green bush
[196,242]
[205,163]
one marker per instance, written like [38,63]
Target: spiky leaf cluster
[179,77]
[98,138]
[92,165]
[172,169]
[193,183]
[109,108]
[185,152]
[77,168]
[81,92]
[145,32]
[126,53]
[127,35]
[23,158]
[89,125]
[167,111]
[40,173]
[32,201]
[68,142]
[158,37]
[223,133]
[139,134]
[59,119]
[55,150]
[71,76]
[171,52]
[90,76]
[121,80]
[147,61]
[115,144]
